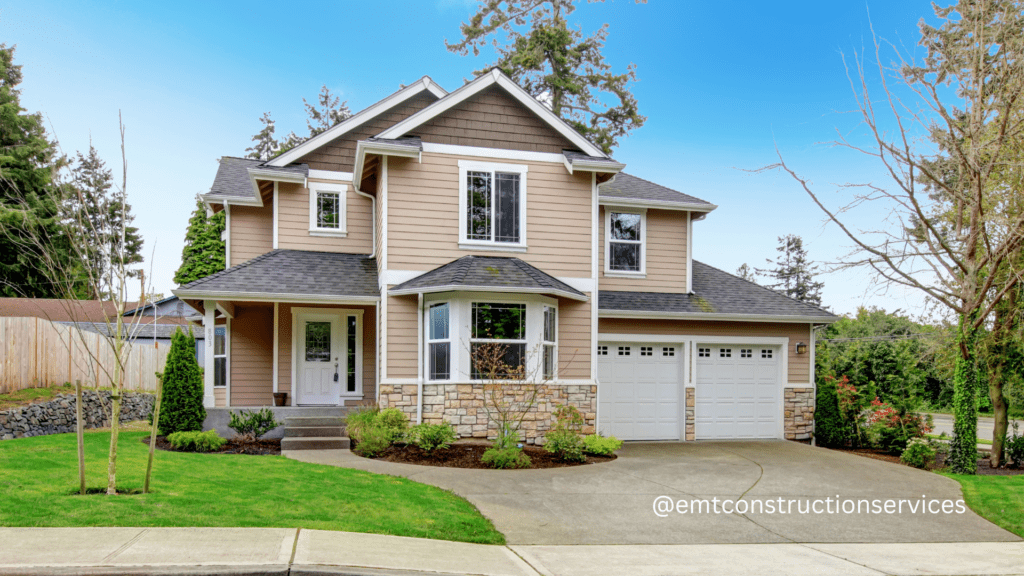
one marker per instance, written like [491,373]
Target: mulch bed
[265,447]
[468,456]
[983,464]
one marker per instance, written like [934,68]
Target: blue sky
[721,84]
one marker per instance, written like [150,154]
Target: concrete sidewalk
[273,551]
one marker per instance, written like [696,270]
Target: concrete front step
[314,431]
[303,421]
[315,443]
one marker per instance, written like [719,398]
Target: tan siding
[423,216]
[799,364]
[574,340]
[493,119]
[285,346]
[220,396]
[293,223]
[252,232]
[339,154]
[252,346]
[666,255]
[402,337]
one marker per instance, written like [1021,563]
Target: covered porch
[292,326]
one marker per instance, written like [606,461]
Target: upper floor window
[624,248]
[327,208]
[492,202]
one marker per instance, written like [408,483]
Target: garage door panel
[738,392]
[640,392]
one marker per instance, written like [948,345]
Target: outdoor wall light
[801,348]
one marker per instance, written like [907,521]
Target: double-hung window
[439,344]
[220,356]
[549,343]
[327,209]
[492,205]
[625,242]
[498,341]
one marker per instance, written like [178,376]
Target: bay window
[439,346]
[498,341]
[549,362]
[492,202]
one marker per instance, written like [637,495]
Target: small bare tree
[96,232]
[945,131]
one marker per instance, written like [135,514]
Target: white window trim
[552,343]
[225,355]
[490,245]
[342,191]
[608,272]
[428,340]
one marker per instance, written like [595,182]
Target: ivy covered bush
[181,408]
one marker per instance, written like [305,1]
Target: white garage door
[738,391]
[640,388]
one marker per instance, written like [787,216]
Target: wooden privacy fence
[35,352]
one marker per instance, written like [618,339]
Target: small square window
[746,353]
[725,353]
[704,352]
[668,351]
[766,353]
[602,350]
[647,350]
[624,350]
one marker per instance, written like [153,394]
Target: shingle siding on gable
[339,155]
[493,119]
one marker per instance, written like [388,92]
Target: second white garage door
[738,391]
[640,390]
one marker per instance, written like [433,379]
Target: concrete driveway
[613,503]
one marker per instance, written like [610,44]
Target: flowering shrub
[891,430]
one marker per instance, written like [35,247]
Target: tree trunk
[152,434]
[995,392]
[115,411]
[963,455]
[80,435]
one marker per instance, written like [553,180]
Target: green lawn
[28,396]
[998,499]
[38,476]
[980,440]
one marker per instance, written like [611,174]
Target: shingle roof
[137,331]
[714,292]
[232,179]
[294,272]
[495,273]
[302,169]
[627,186]
[412,142]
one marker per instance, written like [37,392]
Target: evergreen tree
[793,272]
[182,408]
[556,64]
[830,430]
[29,197]
[328,111]
[746,272]
[108,210]
[265,144]
[204,246]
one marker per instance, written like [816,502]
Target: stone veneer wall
[799,413]
[691,403]
[462,405]
[58,415]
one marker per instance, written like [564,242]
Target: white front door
[640,389]
[321,359]
[738,391]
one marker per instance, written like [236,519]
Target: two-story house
[369,262]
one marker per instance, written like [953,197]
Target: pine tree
[556,64]
[29,197]
[108,210]
[327,112]
[203,253]
[265,145]
[794,272]
[182,408]
[746,272]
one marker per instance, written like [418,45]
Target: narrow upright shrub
[182,407]
[830,428]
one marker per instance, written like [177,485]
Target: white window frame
[608,271]
[545,343]
[315,188]
[452,330]
[466,166]
[224,355]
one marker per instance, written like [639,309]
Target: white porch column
[210,307]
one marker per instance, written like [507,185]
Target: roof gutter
[273,297]
[665,315]
[659,204]
[503,289]
[584,165]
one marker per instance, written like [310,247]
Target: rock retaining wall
[58,415]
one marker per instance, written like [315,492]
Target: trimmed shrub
[1014,446]
[505,458]
[830,428]
[565,444]
[394,421]
[373,441]
[359,419]
[430,437]
[181,409]
[251,424]
[600,445]
[193,441]
[919,453]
